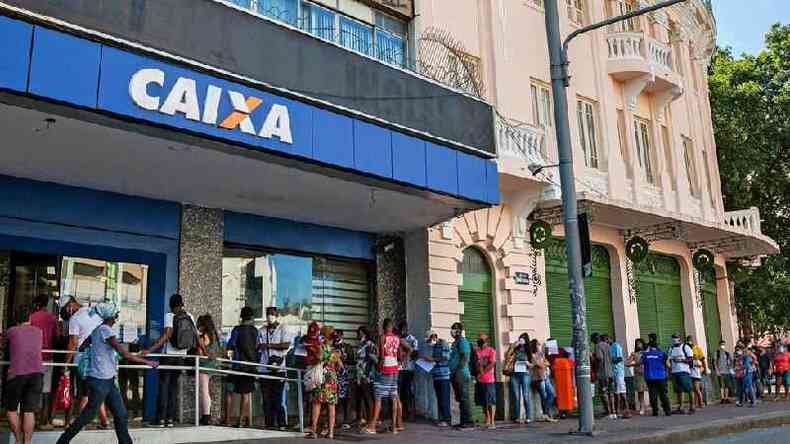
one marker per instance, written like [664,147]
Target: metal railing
[197,369]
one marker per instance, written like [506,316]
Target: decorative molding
[633,88]
[663,99]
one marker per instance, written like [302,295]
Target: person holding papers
[518,364]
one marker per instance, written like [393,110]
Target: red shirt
[390,344]
[782,362]
[48,324]
[24,341]
[486,357]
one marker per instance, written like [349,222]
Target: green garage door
[710,310]
[660,304]
[597,289]
[475,293]
[478,316]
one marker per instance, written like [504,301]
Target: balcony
[521,141]
[746,221]
[643,64]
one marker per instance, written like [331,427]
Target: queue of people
[373,381]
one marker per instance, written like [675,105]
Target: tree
[750,102]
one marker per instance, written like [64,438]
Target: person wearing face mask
[782,370]
[681,357]
[461,376]
[363,375]
[344,373]
[274,342]
[518,365]
[724,372]
[440,373]
[485,388]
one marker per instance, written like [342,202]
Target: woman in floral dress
[326,394]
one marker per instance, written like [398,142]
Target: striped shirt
[441,357]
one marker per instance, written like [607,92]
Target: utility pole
[558,57]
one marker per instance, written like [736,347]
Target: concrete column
[200,283]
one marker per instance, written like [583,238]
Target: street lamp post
[558,56]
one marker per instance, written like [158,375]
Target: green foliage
[750,102]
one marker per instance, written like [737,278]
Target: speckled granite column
[200,283]
[390,301]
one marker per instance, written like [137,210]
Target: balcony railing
[636,46]
[384,40]
[521,141]
[747,221]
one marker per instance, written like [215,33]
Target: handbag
[314,377]
[63,394]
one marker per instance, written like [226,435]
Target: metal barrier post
[197,391]
[301,401]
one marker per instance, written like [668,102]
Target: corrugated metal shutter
[597,289]
[660,305]
[475,293]
[710,310]
[341,294]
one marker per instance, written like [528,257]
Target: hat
[106,310]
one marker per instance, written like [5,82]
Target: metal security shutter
[660,304]
[710,310]
[475,293]
[341,294]
[597,289]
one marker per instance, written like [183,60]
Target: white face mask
[520,342]
[271,319]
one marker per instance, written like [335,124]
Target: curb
[710,429]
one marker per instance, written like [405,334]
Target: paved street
[607,430]
[774,435]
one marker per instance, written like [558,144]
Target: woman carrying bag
[518,364]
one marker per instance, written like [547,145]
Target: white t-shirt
[278,335]
[169,349]
[82,324]
[678,356]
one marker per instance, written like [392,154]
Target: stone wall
[200,283]
[390,299]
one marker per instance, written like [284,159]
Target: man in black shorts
[25,375]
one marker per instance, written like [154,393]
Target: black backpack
[184,335]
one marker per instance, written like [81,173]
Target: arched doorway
[475,293]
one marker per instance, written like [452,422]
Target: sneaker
[155,425]
[738,404]
[170,423]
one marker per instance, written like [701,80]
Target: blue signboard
[72,70]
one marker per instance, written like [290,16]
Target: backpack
[246,346]
[654,363]
[184,335]
[474,364]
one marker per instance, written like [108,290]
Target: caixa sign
[147,91]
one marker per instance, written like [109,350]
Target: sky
[742,23]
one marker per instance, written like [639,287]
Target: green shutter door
[597,289]
[660,304]
[710,309]
[478,316]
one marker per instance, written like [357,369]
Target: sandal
[367,431]
[310,435]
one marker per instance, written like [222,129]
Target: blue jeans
[519,386]
[747,390]
[461,383]
[101,391]
[442,388]
[547,396]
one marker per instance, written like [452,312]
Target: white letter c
[138,87]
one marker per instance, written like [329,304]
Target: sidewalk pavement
[715,420]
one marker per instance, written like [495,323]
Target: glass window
[643,148]
[356,35]
[318,21]
[691,170]
[541,105]
[303,288]
[390,40]
[282,10]
[92,281]
[585,113]
[576,11]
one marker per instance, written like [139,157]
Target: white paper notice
[425,365]
[552,347]
[129,334]
[520,367]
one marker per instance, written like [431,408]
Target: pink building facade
[645,162]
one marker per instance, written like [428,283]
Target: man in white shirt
[274,343]
[81,324]
[681,357]
[406,374]
[168,379]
